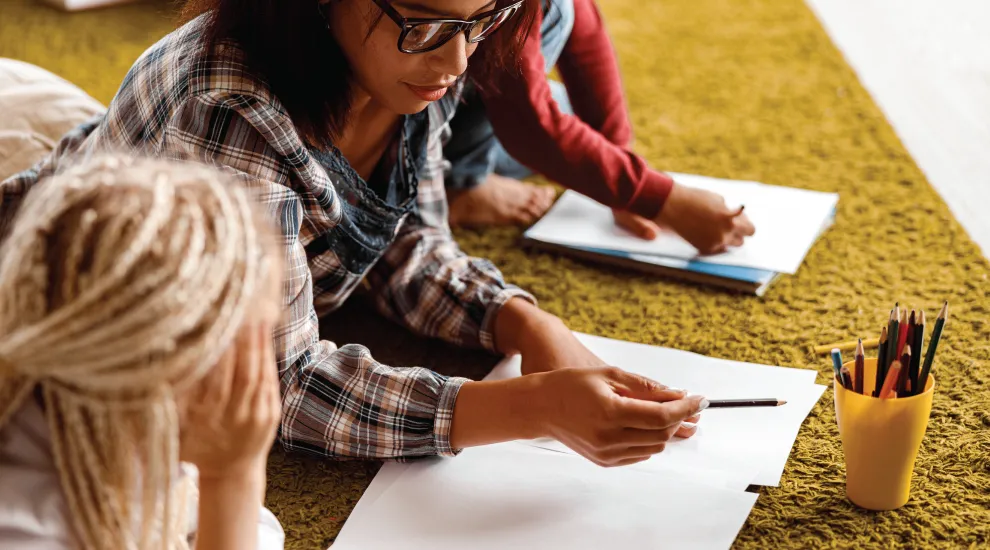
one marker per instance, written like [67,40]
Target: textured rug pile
[746,89]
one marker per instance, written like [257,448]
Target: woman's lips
[428,93]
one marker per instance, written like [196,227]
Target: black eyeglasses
[424,35]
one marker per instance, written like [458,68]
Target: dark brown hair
[288,44]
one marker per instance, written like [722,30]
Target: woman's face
[403,83]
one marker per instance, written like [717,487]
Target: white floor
[927,65]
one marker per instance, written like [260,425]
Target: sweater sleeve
[533,129]
[590,72]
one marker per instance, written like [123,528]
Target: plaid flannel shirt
[177,102]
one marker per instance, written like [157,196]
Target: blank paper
[510,496]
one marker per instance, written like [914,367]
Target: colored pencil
[847,379]
[869,343]
[893,335]
[860,368]
[902,379]
[902,334]
[881,362]
[932,346]
[890,381]
[734,403]
[918,341]
[837,364]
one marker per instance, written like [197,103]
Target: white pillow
[36,109]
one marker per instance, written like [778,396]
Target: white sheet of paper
[788,221]
[727,439]
[503,496]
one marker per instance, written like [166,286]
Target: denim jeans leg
[473,151]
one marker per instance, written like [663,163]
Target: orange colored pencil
[890,382]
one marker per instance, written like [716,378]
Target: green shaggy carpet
[747,89]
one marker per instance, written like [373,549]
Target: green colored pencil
[930,355]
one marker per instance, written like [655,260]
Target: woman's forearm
[494,412]
[519,322]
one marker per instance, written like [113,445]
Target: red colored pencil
[902,333]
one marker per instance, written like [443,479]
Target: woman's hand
[702,219]
[612,417]
[607,415]
[228,422]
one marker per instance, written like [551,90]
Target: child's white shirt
[33,511]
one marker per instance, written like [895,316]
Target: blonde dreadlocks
[121,283]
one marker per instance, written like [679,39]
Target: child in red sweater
[576,133]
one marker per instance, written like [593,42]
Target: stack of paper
[512,496]
[539,494]
[788,221]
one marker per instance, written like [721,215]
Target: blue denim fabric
[473,150]
[373,210]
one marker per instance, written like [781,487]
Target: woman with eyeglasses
[334,113]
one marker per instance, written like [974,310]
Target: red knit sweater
[589,151]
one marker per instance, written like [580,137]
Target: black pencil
[859,375]
[881,362]
[893,335]
[918,340]
[733,403]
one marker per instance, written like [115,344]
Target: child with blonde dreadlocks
[137,300]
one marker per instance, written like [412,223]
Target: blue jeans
[473,150]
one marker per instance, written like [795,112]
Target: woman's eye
[421,34]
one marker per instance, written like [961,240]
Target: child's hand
[702,219]
[637,225]
[228,422]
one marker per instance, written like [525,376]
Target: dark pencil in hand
[733,403]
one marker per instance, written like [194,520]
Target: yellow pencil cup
[880,440]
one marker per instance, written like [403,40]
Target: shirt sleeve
[590,72]
[426,283]
[338,402]
[533,129]
[14,189]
